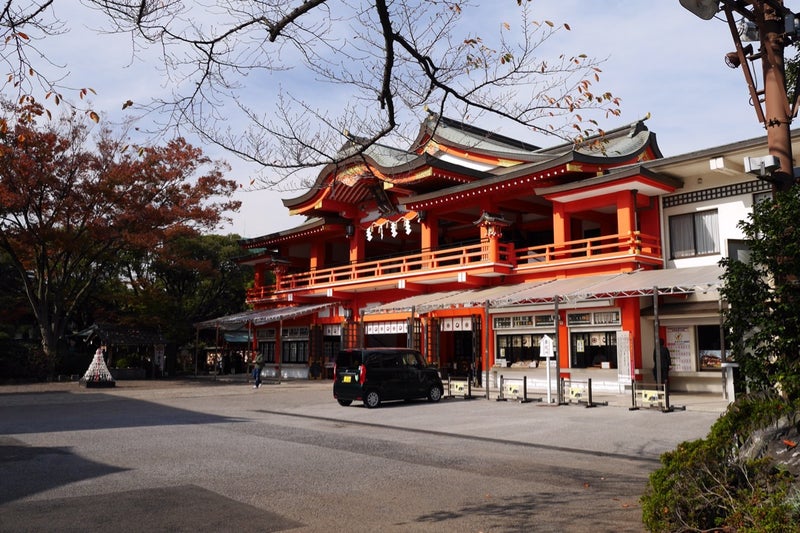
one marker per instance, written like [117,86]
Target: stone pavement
[175,454]
[703,402]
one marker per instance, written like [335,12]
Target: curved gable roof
[619,144]
[449,132]
[375,165]
[622,146]
[434,172]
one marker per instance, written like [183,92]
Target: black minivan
[373,375]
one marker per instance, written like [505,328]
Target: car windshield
[348,359]
[413,359]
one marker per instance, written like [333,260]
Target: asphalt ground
[122,459]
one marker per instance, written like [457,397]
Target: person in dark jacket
[257,370]
[666,362]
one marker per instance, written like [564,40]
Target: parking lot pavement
[479,417]
[703,402]
[678,401]
[144,449]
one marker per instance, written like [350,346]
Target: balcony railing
[470,256]
[605,246]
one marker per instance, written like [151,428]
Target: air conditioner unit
[761,166]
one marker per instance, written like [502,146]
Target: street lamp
[776,27]
[732,58]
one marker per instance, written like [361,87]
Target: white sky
[661,60]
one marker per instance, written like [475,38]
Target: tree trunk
[49,348]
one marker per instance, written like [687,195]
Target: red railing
[633,243]
[470,256]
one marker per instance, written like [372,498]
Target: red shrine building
[472,247]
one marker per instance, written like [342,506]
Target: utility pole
[777,113]
[774,28]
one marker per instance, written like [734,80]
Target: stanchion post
[667,406]
[500,395]
[633,397]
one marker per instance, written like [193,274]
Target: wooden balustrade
[469,256]
[603,246]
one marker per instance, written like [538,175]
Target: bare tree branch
[369,67]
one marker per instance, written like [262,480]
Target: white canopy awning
[548,291]
[479,297]
[418,301]
[259,317]
[667,281]
[423,303]
[583,288]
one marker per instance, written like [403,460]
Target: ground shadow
[537,512]
[29,470]
[180,508]
[96,411]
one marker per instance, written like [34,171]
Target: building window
[576,319]
[523,321]
[294,352]
[502,322]
[593,349]
[268,349]
[761,196]
[520,350]
[738,250]
[607,318]
[694,234]
[708,345]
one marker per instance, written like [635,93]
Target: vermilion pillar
[357,246]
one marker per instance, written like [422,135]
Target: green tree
[189,278]
[763,293]
[69,208]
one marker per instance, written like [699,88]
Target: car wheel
[434,393]
[344,403]
[372,399]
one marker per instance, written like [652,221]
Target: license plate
[345,379]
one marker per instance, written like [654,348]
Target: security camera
[761,166]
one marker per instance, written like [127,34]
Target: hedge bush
[710,485]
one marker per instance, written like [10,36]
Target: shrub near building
[741,477]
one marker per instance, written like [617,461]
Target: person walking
[257,370]
[661,357]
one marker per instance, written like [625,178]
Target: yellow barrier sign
[650,396]
[576,392]
[459,387]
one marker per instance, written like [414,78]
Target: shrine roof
[383,156]
[449,157]
[257,245]
[618,147]
[443,130]
[615,145]
[385,164]
[628,177]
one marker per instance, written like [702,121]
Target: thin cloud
[660,59]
